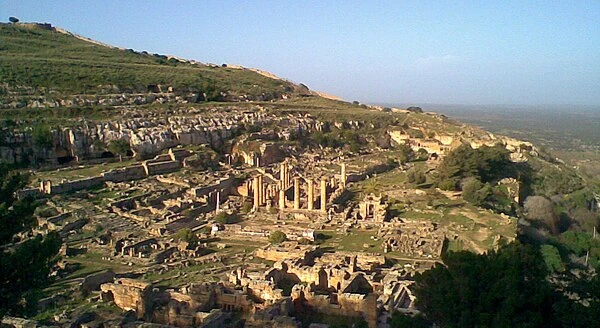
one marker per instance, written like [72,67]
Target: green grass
[455,246]
[353,242]
[48,60]
[89,263]
[78,172]
[381,183]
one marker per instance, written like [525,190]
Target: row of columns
[310,192]
[261,194]
[284,175]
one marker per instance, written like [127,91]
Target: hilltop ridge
[41,65]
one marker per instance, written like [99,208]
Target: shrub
[405,153]
[304,241]
[475,192]
[42,136]
[552,258]
[187,235]
[416,176]
[119,147]
[277,237]
[246,207]
[225,218]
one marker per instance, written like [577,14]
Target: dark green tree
[42,136]
[187,235]
[399,320]
[226,218]
[119,147]
[405,154]
[504,288]
[487,164]
[25,262]
[416,175]
[277,237]
[475,192]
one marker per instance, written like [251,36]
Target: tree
[13,20]
[585,219]
[552,258]
[119,147]
[487,164]
[187,235]
[415,109]
[384,140]
[541,210]
[475,192]
[416,176]
[42,136]
[25,262]
[226,218]
[502,288]
[399,320]
[277,237]
[405,153]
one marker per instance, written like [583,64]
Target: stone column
[281,199]
[296,193]
[323,194]
[310,192]
[343,175]
[261,191]
[287,175]
[218,201]
[256,193]
[282,174]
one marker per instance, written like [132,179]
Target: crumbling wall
[69,186]
[342,304]
[153,168]
[129,294]
[95,280]
[133,172]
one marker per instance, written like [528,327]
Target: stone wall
[29,192]
[94,281]
[225,186]
[153,168]
[48,187]
[129,173]
[342,304]
[129,294]
[287,252]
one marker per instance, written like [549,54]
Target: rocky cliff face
[124,99]
[146,134]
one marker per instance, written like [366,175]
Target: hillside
[171,181]
[37,61]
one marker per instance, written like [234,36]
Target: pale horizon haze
[434,52]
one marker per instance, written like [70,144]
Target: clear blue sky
[438,52]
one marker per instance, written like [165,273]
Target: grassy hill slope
[35,61]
